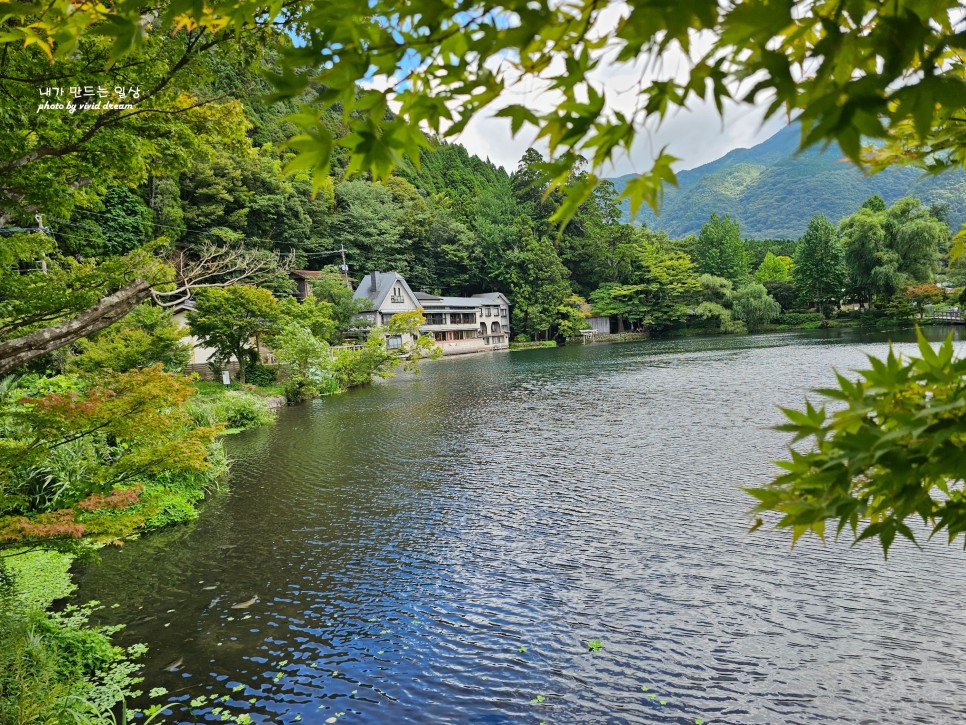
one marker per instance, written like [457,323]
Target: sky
[696,136]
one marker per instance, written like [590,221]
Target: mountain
[773,191]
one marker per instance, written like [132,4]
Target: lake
[440,549]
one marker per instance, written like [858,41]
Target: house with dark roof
[458,324]
[303,281]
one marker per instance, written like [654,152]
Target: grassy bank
[532,345]
[100,480]
[55,667]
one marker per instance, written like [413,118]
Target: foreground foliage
[893,449]
[886,70]
[100,458]
[54,666]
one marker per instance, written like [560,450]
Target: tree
[774,269]
[754,307]
[531,187]
[54,161]
[229,318]
[572,317]
[784,293]
[376,359]
[720,251]
[921,295]
[312,313]
[148,335]
[330,287]
[60,299]
[818,270]
[538,281]
[715,299]
[893,449]
[308,359]
[369,224]
[872,268]
[717,290]
[885,249]
[662,289]
[847,71]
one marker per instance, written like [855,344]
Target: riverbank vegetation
[55,667]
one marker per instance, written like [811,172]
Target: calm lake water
[439,549]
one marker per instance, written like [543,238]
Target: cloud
[695,135]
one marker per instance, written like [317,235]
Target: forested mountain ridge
[773,191]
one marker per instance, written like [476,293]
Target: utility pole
[39,218]
[345,268]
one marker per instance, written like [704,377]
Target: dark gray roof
[451,302]
[493,297]
[426,296]
[377,293]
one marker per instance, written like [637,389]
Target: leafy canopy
[894,449]
[851,69]
[227,318]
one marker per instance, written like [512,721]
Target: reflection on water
[441,548]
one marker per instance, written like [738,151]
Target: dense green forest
[451,224]
[773,190]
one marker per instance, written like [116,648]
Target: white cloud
[696,135]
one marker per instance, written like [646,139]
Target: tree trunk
[21,350]
[240,356]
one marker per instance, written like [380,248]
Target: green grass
[530,345]
[212,387]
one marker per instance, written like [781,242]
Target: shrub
[261,375]
[797,319]
[244,410]
[167,506]
[235,409]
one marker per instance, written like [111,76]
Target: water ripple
[441,549]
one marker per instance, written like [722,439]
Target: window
[394,342]
[487,311]
[435,318]
[439,336]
